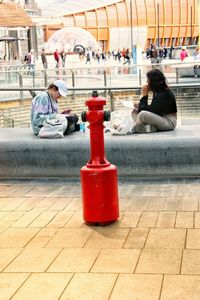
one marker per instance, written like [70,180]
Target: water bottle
[82,127]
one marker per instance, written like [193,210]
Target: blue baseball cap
[62,87]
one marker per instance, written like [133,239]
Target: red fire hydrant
[98,177]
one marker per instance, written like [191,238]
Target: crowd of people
[122,56]
[157,54]
[119,55]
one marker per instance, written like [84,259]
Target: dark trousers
[72,124]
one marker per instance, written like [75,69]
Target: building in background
[117,24]
[28,35]
[14,22]
[113,23]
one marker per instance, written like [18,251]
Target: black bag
[72,124]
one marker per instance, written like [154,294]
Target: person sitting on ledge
[45,105]
[161,113]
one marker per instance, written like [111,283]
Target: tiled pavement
[151,253]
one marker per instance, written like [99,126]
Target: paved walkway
[151,253]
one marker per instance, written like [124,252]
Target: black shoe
[107,130]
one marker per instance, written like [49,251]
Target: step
[172,154]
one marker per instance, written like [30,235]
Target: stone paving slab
[48,252]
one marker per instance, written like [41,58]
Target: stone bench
[174,154]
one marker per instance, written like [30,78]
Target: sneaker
[133,131]
[144,129]
[151,128]
[107,130]
[139,129]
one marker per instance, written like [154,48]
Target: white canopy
[63,7]
[68,37]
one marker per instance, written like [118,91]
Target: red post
[98,177]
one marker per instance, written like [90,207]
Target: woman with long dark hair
[161,113]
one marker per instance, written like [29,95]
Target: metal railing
[100,76]
[31,89]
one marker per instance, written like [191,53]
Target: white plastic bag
[54,128]
[121,122]
[125,127]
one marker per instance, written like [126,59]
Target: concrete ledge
[157,155]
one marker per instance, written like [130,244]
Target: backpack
[26,58]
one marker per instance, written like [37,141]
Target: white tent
[63,7]
[68,37]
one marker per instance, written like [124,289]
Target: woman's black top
[163,103]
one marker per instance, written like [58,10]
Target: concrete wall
[173,154]
[19,111]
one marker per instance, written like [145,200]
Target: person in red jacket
[183,53]
[57,58]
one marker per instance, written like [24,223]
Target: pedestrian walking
[88,57]
[184,53]
[44,59]
[127,58]
[98,53]
[196,56]
[63,57]
[31,63]
[57,58]
[103,56]
[154,56]
[165,52]
[171,52]
[119,55]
